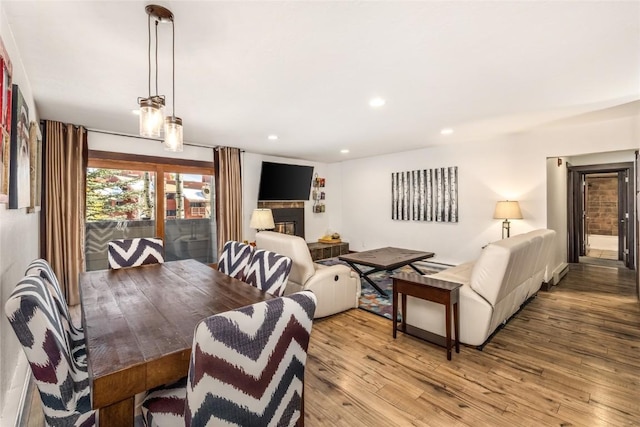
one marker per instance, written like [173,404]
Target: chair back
[64,390]
[235,258]
[42,269]
[247,365]
[135,252]
[269,271]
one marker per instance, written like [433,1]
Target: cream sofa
[336,287]
[495,286]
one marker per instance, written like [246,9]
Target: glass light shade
[506,209]
[262,219]
[173,134]
[151,116]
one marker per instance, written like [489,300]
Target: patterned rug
[370,299]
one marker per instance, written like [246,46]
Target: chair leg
[300,422]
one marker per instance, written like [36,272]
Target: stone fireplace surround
[288,216]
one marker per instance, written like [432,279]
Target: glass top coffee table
[384,259]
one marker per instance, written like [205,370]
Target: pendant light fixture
[173,124]
[152,107]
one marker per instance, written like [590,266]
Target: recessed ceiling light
[344,151]
[446,131]
[272,137]
[376,102]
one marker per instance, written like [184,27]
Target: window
[126,199]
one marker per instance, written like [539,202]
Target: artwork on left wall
[6,70]
[35,149]
[20,170]
[425,195]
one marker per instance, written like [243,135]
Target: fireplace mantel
[287,212]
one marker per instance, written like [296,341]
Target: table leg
[416,269]
[395,311]
[364,275]
[448,329]
[404,313]
[456,327]
[119,414]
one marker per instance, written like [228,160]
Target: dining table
[139,323]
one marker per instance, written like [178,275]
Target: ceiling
[306,70]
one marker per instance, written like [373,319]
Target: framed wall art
[425,195]
[6,70]
[20,169]
[5,142]
[35,150]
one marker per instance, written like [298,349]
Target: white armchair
[336,287]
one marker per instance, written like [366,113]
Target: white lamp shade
[173,134]
[262,219]
[151,117]
[506,209]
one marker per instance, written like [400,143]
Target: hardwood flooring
[571,357]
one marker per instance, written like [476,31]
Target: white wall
[316,224]
[19,244]
[512,167]
[143,146]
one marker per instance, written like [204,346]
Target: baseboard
[13,410]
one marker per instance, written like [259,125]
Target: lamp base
[506,226]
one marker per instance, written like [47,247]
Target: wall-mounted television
[281,181]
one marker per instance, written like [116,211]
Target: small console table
[327,250]
[429,289]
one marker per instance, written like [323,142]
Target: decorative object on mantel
[318,194]
[262,219]
[425,195]
[506,210]
[152,107]
[20,170]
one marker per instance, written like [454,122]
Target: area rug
[370,299]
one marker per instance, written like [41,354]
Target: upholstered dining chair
[247,368]
[64,390]
[269,271]
[135,252]
[42,268]
[235,258]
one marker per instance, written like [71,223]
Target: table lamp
[262,219]
[507,210]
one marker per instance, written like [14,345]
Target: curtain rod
[106,132]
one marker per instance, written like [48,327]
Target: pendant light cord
[173,71]
[156,57]
[149,52]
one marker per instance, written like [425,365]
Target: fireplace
[287,216]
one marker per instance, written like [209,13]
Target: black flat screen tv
[280,181]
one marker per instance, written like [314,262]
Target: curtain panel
[228,195]
[65,164]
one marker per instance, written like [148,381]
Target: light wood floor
[570,358]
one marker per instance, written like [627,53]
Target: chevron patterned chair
[64,389]
[247,368]
[269,271]
[135,252]
[42,268]
[235,258]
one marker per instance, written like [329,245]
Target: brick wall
[602,205]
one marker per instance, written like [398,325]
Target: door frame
[575,210]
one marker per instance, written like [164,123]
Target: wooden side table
[429,289]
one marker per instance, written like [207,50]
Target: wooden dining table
[139,322]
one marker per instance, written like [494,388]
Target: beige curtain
[228,195]
[65,162]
